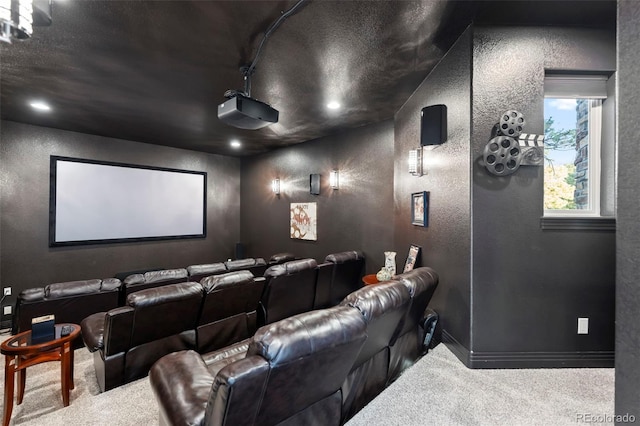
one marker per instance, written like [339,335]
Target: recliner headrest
[374,300]
[291,267]
[72,288]
[419,279]
[210,268]
[164,294]
[32,294]
[217,282]
[344,256]
[282,257]
[301,335]
[234,265]
[164,275]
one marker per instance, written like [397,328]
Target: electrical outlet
[7,310]
[7,291]
[583,325]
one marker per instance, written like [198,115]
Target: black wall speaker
[239,251]
[314,184]
[433,125]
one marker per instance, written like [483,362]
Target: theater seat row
[220,310]
[315,368]
[73,301]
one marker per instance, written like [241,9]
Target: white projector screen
[98,202]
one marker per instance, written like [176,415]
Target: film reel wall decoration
[512,148]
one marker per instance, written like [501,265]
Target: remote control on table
[66,330]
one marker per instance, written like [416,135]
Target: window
[574,137]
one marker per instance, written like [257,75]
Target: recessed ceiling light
[40,106]
[333,105]
[235,144]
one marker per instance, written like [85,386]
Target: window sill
[578,223]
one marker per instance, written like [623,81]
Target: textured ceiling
[155,71]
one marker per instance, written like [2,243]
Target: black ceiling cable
[247,71]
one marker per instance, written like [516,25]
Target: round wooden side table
[20,353]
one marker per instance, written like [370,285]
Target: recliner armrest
[93,331]
[185,374]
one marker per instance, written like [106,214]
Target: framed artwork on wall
[420,208]
[304,221]
[412,257]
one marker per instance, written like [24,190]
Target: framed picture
[304,221]
[420,208]
[412,257]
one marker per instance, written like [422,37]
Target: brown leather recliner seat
[198,272]
[289,290]
[384,307]
[70,302]
[340,274]
[229,309]
[127,340]
[151,279]
[408,346]
[256,266]
[291,375]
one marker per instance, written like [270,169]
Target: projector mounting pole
[246,73]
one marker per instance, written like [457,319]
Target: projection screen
[95,202]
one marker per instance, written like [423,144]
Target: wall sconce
[415,162]
[16,19]
[275,186]
[333,179]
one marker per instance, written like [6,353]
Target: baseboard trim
[586,359]
[478,360]
[458,349]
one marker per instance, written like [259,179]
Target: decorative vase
[383,275]
[390,262]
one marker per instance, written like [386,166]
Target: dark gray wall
[530,285]
[358,216]
[446,242]
[27,260]
[628,244]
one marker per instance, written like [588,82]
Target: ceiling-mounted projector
[246,113]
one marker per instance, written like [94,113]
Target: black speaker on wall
[433,125]
[314,184]
[239,251]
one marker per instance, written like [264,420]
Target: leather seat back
[229,309]
[256,266]
[177,304]
[70,302]
[199,272]
[345,276]
[151,279]
[384,307]
[289,290]
[292,373]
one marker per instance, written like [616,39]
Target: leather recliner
[384,307]
[256,266]
[290,375]
[70,302]
[126,341]
[198,272]
[229,309]
[408,347]
[339,275]
[137,282]
[289,290]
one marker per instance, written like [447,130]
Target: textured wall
[628,245]
[530,285]
[358,216]
[446,242]
[28,261]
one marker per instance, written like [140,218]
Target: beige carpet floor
[438,390]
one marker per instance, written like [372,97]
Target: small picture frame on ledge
[412,257]
[420,208]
